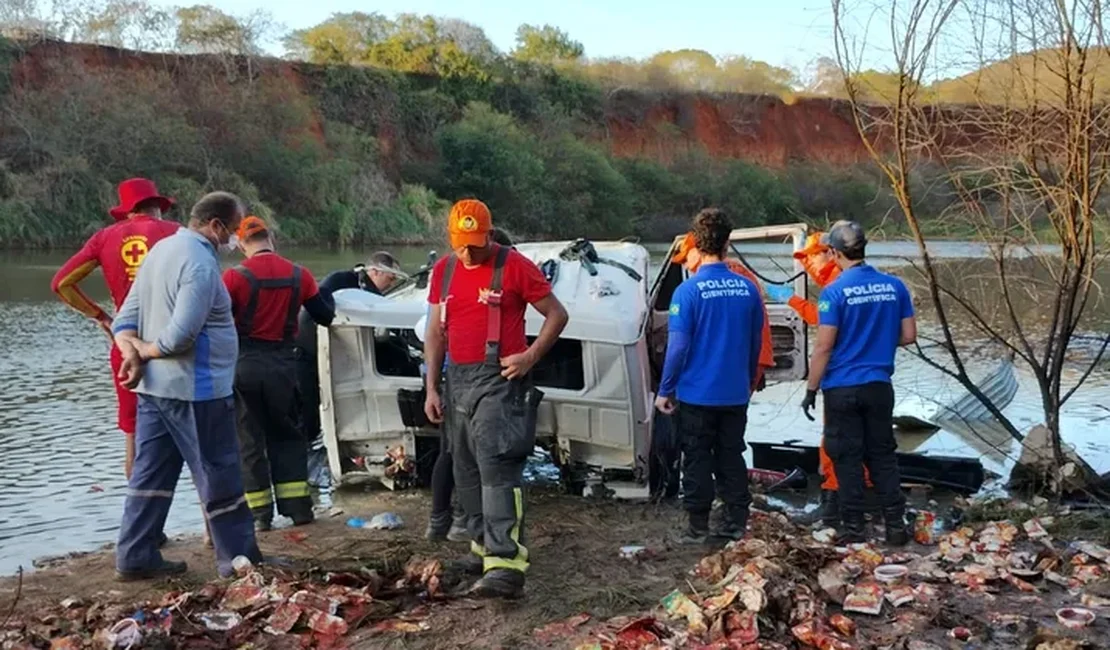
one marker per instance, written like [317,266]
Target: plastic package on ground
[385,521]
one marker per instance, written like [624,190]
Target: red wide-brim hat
[134,191]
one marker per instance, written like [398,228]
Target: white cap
[421,326]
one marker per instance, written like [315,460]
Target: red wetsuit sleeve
[806,309]
[533,286]
[76,269]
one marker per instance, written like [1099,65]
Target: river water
[61,458]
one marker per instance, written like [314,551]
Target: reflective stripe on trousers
[493,433]
[202,434]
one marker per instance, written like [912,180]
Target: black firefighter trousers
[272,448]
[713,447]
[859,429]
[493,432]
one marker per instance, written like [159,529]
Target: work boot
[439,527]
[470,564]
[732,527]
[696,532]
[303,518]
[458,531]
[897,533]
[166,569]
[500,583]
[162,540]
[830,508]
[853,530]
[263,524]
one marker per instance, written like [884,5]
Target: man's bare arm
[909,331]
[434,348]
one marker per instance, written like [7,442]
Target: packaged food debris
[890,573]
[385,521]
[1034,528]
[867,558]
[753,597]
[71,602]
[843,624]
[640,633]
[221,621]
[241,565]
[283,618]
[560,629]
[921,645]
[721,601]
[960,634]
[742,627]
[825,535]
[805,605]
[1096,602]
[805,632]
[924,528]
[310,601]
[401,626]
[677,605]
[982,571]
[326,624]
[925,592]
[899,596]
[1075,617]
[126,633]
[1056,578]
[865,598]
[901,558]
[1079,559]
[1088,573]
[833,580]
[1094,550]
[245,593]
[734,572]
[827,641]
[1019,584]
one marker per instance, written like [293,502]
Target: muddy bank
[394,590]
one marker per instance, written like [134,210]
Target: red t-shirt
[272,310]
[522,284]
[118,250]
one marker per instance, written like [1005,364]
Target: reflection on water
[59,445]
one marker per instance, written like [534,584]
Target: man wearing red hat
[267,292]
[118,250]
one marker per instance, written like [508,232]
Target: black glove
[809,402]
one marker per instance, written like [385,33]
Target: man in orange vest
[817,260]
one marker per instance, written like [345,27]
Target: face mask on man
[230,246]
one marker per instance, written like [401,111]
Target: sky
[780,32]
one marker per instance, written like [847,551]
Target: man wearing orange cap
[817,260]
[118,250]
[491,403]
[267,292]
[689,257]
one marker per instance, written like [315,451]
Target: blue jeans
[202,434]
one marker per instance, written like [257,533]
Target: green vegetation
[399,118]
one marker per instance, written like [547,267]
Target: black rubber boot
[897,533]
[458,531]
[852,531]
[732,526]
[166,569]
[500,583]
[439,525]
[697,530]
[303,518]
[830,508]
[470,564]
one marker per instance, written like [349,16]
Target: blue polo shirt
[867,307]
[715,331]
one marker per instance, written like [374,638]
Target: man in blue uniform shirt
[862,319]
[709,382]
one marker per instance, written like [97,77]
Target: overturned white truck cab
[598,381]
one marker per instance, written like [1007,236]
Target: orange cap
[469,224]
[251,226]
[684,249]
[813,246]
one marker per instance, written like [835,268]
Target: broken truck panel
[963,475]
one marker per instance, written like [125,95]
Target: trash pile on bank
[786,587]
[261,608]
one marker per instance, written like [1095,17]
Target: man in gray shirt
[179,345]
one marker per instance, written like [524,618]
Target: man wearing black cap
[862,319]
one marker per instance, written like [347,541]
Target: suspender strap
[493,302]
[245,323]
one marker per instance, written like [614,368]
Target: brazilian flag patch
[674,309]
[823,306]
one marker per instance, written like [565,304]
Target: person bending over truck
[267,291]
[715,334]
[490,402]
[863,317]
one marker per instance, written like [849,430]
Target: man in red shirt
[492,403]
[267,292]
[118,250]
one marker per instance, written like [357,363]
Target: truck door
[762,250]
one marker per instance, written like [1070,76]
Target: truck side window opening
[670,282]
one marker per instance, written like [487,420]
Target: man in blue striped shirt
[179,344]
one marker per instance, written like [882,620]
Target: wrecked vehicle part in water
[597,414]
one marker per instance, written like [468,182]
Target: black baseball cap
[846,236]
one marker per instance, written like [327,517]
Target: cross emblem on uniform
[136,252]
